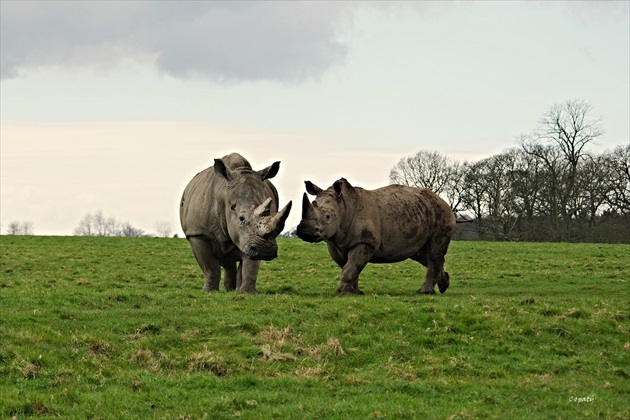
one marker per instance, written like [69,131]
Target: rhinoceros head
[321,218]
[252,215]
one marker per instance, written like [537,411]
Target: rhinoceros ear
[222,170]
[270,171]
[339,186]
[311,188]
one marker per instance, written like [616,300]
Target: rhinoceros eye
[241,219]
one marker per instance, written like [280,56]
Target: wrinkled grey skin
[385,225]
[229,213]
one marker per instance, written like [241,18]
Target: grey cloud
[220,41]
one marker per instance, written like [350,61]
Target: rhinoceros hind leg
[422,257]
[435,266]
[435,275]
[429,282]
[209,264]
[230,276]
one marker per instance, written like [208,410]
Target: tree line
[98,225]
[20,228]
[551,187]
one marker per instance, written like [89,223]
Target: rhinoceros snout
[258,252]
[308,233]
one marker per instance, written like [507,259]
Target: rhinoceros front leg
[209,264]
[358,257]
[249,273]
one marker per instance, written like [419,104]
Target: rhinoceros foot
[250,290]
[444,282]
[349,291]
[424,291]
[210,285]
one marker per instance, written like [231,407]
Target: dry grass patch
[272,354]
[275,339]
[152,361]
[31,370]
[98,348]
[279,336]
[282,344]
[207,361]
[320,371]
[334,345]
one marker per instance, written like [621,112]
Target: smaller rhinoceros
[229,213]
[385,225]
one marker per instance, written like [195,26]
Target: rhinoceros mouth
[265,257]
[307,233]
[254,252]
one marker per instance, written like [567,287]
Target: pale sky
[114,106]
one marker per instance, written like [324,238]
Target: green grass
[119,328]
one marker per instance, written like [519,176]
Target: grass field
[119,328]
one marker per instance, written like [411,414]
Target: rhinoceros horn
[264,209]
[275,224]
[307,207]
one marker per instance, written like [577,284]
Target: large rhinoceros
[389,224]
[229,213]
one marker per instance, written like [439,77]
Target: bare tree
[619,195]
[593,185]
[431,170]
[570,127]
[455,186]
[526,181]
[560,141]
[98,225]
[85,226]
[27,228]
[559,146]
[20,228]
[164,229]
[491,197]
[425,169]
[14,228]
[104,226]
[127,230]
